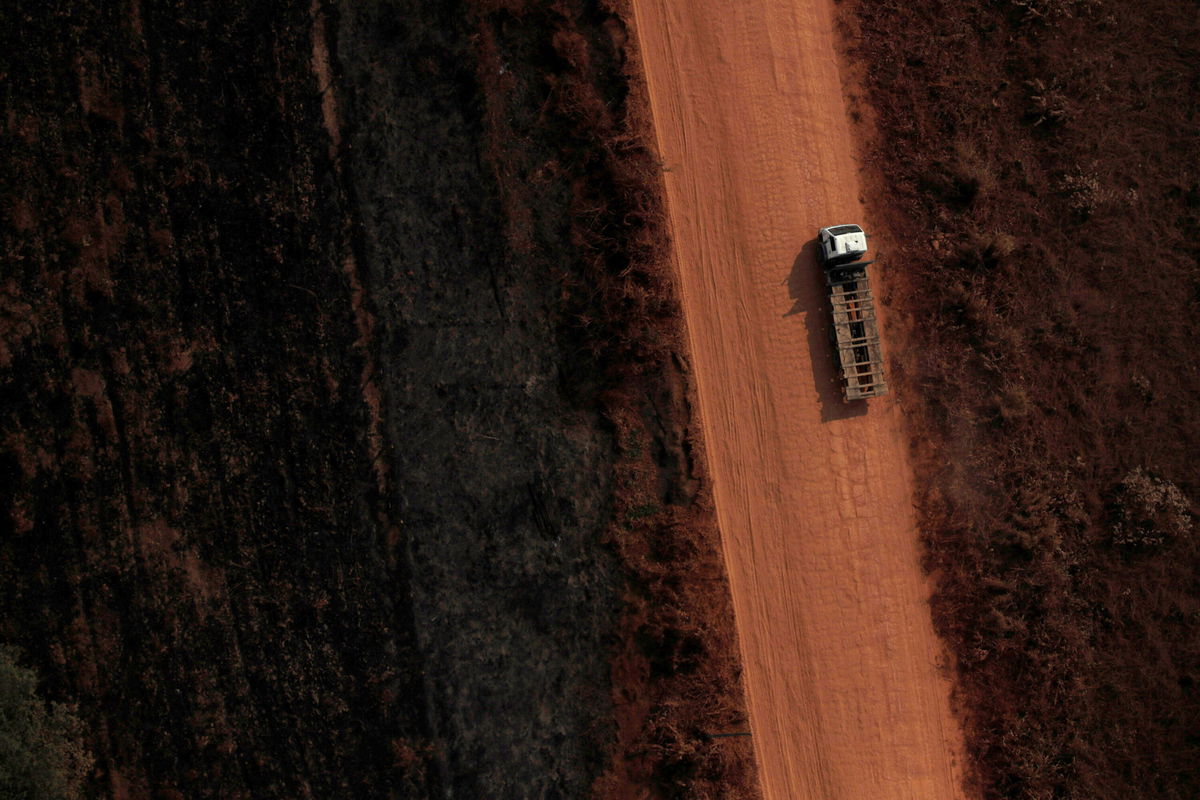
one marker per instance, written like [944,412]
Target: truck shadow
[806,288]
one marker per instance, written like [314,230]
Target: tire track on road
[813,498]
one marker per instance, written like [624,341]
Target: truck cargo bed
[856,334]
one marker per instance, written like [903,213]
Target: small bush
[972,173]
[1083,192]
[1142,386]
[1148,511]
[1013,403]
[1048,106]
[986,250]
[41,755]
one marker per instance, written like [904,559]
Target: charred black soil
[196,547]
[347,441]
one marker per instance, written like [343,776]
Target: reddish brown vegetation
[1035,163]
[562,73]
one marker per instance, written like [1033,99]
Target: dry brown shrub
[1042,367]
[1148,511]
[1013,403]
[1048,105]
[1083,192]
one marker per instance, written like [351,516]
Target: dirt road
[813,497]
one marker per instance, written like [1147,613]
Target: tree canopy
[41,752]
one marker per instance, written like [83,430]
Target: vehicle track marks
[814,499]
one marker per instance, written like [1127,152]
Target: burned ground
[348,449]
[196,547]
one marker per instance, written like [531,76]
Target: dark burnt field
[347,444]
[198,548]
[1035,162]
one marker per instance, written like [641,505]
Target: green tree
[41,752]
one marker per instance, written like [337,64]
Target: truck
[855,330]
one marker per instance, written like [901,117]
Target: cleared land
[813,497]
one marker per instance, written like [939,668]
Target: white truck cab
[841,243]
[855,329]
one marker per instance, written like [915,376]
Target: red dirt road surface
[814,498]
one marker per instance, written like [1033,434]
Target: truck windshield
[838,230]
